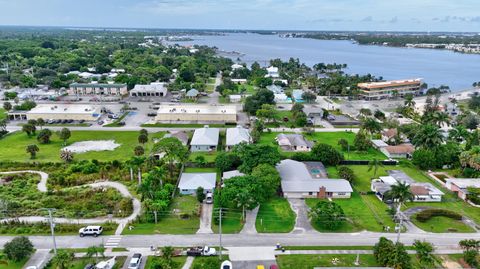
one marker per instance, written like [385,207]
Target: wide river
[436,67]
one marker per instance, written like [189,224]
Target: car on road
[135,261]
[90,230]
[226,265]
[260,267]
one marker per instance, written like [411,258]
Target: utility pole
[220,231]
[52,229]
[400,216]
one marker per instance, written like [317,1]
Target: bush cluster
[427,214]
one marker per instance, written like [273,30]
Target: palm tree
[66,155]
[371,125]
[29,129]
[458,134]
[400,193]
[32,149]
[95,251]
[409,102]
[63,259]
[429,136]
[143,138]
[374,164]
[440,118]
[40,122]
[139,151]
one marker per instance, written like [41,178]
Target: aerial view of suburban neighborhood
[206,134]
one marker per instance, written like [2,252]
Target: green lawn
[330,138]
[199,170]
[6,264]
[80,263]
[170,223]
[275,216]
[207,262]
[311,261]
[231,221]
[209,156]
[179,262]
[3,113]
[441,224]
[364,212]
[12,147]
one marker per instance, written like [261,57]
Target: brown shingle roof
[419,190]
[400,149]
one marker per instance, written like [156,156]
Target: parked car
[209,198]
[91,230]
[201,251]
[135,261]
[226,265]
[273,266]
[89,266]
[100,122]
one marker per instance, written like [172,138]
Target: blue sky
[399,15]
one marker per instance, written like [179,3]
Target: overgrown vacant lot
[330,138]
[363,212]
[275,216]
[23,199]
[12,147]
[181,218]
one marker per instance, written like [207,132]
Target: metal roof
[191,181]
[237,135]
[205,137]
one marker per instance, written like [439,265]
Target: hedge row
[427,214]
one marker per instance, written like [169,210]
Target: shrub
[327,154]
[18,249]
[346,173]
[427,214]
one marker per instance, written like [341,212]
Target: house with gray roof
[190,182]
[180,135]
[236,136]
[205,139]
[293,142]
[275,89]
[193,93]
[298,182]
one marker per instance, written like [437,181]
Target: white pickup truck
[202,251]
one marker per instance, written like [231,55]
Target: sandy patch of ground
[92,145]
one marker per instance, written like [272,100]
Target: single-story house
[297,96]
[192,94]
[314,114]
[402,151]
[389,135]
[189,182]
[293,142]
[239,80]
[235,98]
[230,174]
[422,192]
[298,182]
[460,185]
[180,135]
[378,144]
[236,136]
[275,89]
[282,98]
[205,139]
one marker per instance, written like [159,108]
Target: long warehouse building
[183,113]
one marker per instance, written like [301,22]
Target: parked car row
[51,121]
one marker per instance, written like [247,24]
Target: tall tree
[374,165]
[32,149]
[429,137]
[400,193]
[64,134]
[173,152]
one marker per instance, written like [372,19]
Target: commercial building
[98,89]
[57,112]
[192,113]
[205,139]
[298,181]
[387,89]
[156,89]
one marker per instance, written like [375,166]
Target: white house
[293,142]
[282,98]
[235,98]
[237,66]
[205,139]
[236,136]
[190,182]
[275,89]
[402,151]
[272,72]
[298,182]
[460,185]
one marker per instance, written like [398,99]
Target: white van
[91,230]
[209,198]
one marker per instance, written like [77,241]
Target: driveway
[39,259]
[206,219]
[302,224]
[250,257]
[250,219]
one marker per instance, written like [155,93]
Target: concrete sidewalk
[39,259]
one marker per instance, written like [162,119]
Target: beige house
[186,113]
[98,89]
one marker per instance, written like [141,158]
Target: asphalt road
[449,240]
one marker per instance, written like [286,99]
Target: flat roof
[102,85]
[197,109]
[390,83]
[464,183]
[62,109]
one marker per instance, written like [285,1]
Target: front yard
[275,216]
[440,224]
[363,212]
[7,264]
[178,262]
[328,260]
[181,218]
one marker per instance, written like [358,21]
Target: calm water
[437,67]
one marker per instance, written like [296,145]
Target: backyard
[181,218]
[330,138]
[12,146]
[275,216]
